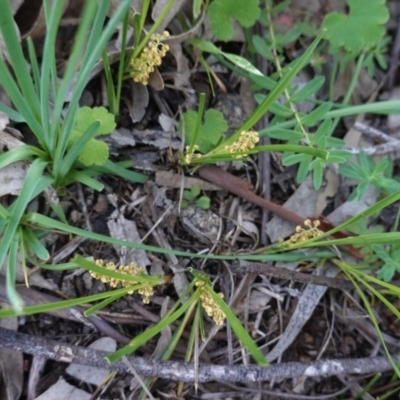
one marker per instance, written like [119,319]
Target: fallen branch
[283,273]
[185,372]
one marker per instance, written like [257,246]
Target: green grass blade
[32,184]
[101,305]
[94,54]
[110,87]
[372,318]
[62,168]
[58,305]
[12,294]
[53,15]
[382,107]
[18,99]
[96,32]
[200,113]
[20,154]
[122,58]
[35,245]
[4,214]
[91,57]
[151,332]
[153,27]
[82,177]
[16,54]
[12,114]
[240,331]
[88,13]
[34,64]
[117,170]
[45,222]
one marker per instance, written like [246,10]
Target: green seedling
[192,196]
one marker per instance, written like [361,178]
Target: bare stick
[184,372]
[283,273]
[374,133]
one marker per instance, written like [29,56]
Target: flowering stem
[242,188]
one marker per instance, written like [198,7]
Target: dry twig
[184,372]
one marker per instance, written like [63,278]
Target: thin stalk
[121,65]
[153,28]
[350,89]
[292,106]
[333,77]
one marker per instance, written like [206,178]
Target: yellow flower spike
[190,155]
[247,141]
[301,234]
[146,291]
[211,308]
[150,57]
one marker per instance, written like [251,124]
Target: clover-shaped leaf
[94,152]
[85,117]
[211,132]
[221,13]
[360,30]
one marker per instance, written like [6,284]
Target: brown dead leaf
[140,101]
[183,73]
[31,19]
[124,229]
[136,5]
[302,202]
[159,7]
[155,80]
[12,176]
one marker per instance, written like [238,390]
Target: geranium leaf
[360,30]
